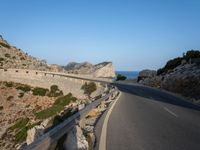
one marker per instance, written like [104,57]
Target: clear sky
[133,34]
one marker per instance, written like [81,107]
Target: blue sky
[133,34]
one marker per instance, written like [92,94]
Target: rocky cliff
[105,69]
[12,57]
[180,75]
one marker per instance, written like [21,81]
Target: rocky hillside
[105,69]
[12,57]
[180,75]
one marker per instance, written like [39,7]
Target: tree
[89,88]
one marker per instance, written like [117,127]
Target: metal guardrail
[51,137]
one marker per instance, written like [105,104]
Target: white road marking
[171,112]
[102,142]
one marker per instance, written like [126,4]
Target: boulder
[76,140]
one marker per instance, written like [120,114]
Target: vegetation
[7,55]
[21,127]
[25,88]
[5,45]
[59,119]
[8,84]
[19,124]
[1,59]
[54,91]
[40,91]
[120,77]
[58,105]
[1,107]
[89,88]
[171,64]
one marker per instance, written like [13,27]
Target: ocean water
[128,74]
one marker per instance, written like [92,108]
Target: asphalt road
[148,119]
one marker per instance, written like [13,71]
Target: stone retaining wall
[45,79]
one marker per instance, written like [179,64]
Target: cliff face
[184,78]
[12,57]
[105,69]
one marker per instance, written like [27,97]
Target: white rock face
[37,131]
[76,140]
[105,70]
[34,133]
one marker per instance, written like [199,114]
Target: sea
[128,74]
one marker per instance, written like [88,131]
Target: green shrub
[120,77]
[40,91]
[5,45]
[8,84]
[192,54]
[58,105]
[24,88]
[89,88]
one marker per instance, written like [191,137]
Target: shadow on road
[158,95]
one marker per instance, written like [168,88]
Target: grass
[21,128]
[20,123]
[58,105]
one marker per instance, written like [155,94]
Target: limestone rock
[76,140]
[104,69]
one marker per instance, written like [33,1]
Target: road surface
[149,119]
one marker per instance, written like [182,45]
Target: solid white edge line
[102,142]
[169,111]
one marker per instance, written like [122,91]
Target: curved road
[149,119]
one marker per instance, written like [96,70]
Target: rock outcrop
[105,69]
[12,57]
[180,75]
[76,140]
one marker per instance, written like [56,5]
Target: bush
[8,84]
[7,55]
[5,45]
[89,88]
[120,77]
[24,88]
[1,107]
[1,59]
[40,91]
[58,105]
[54,91]
[192,54]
